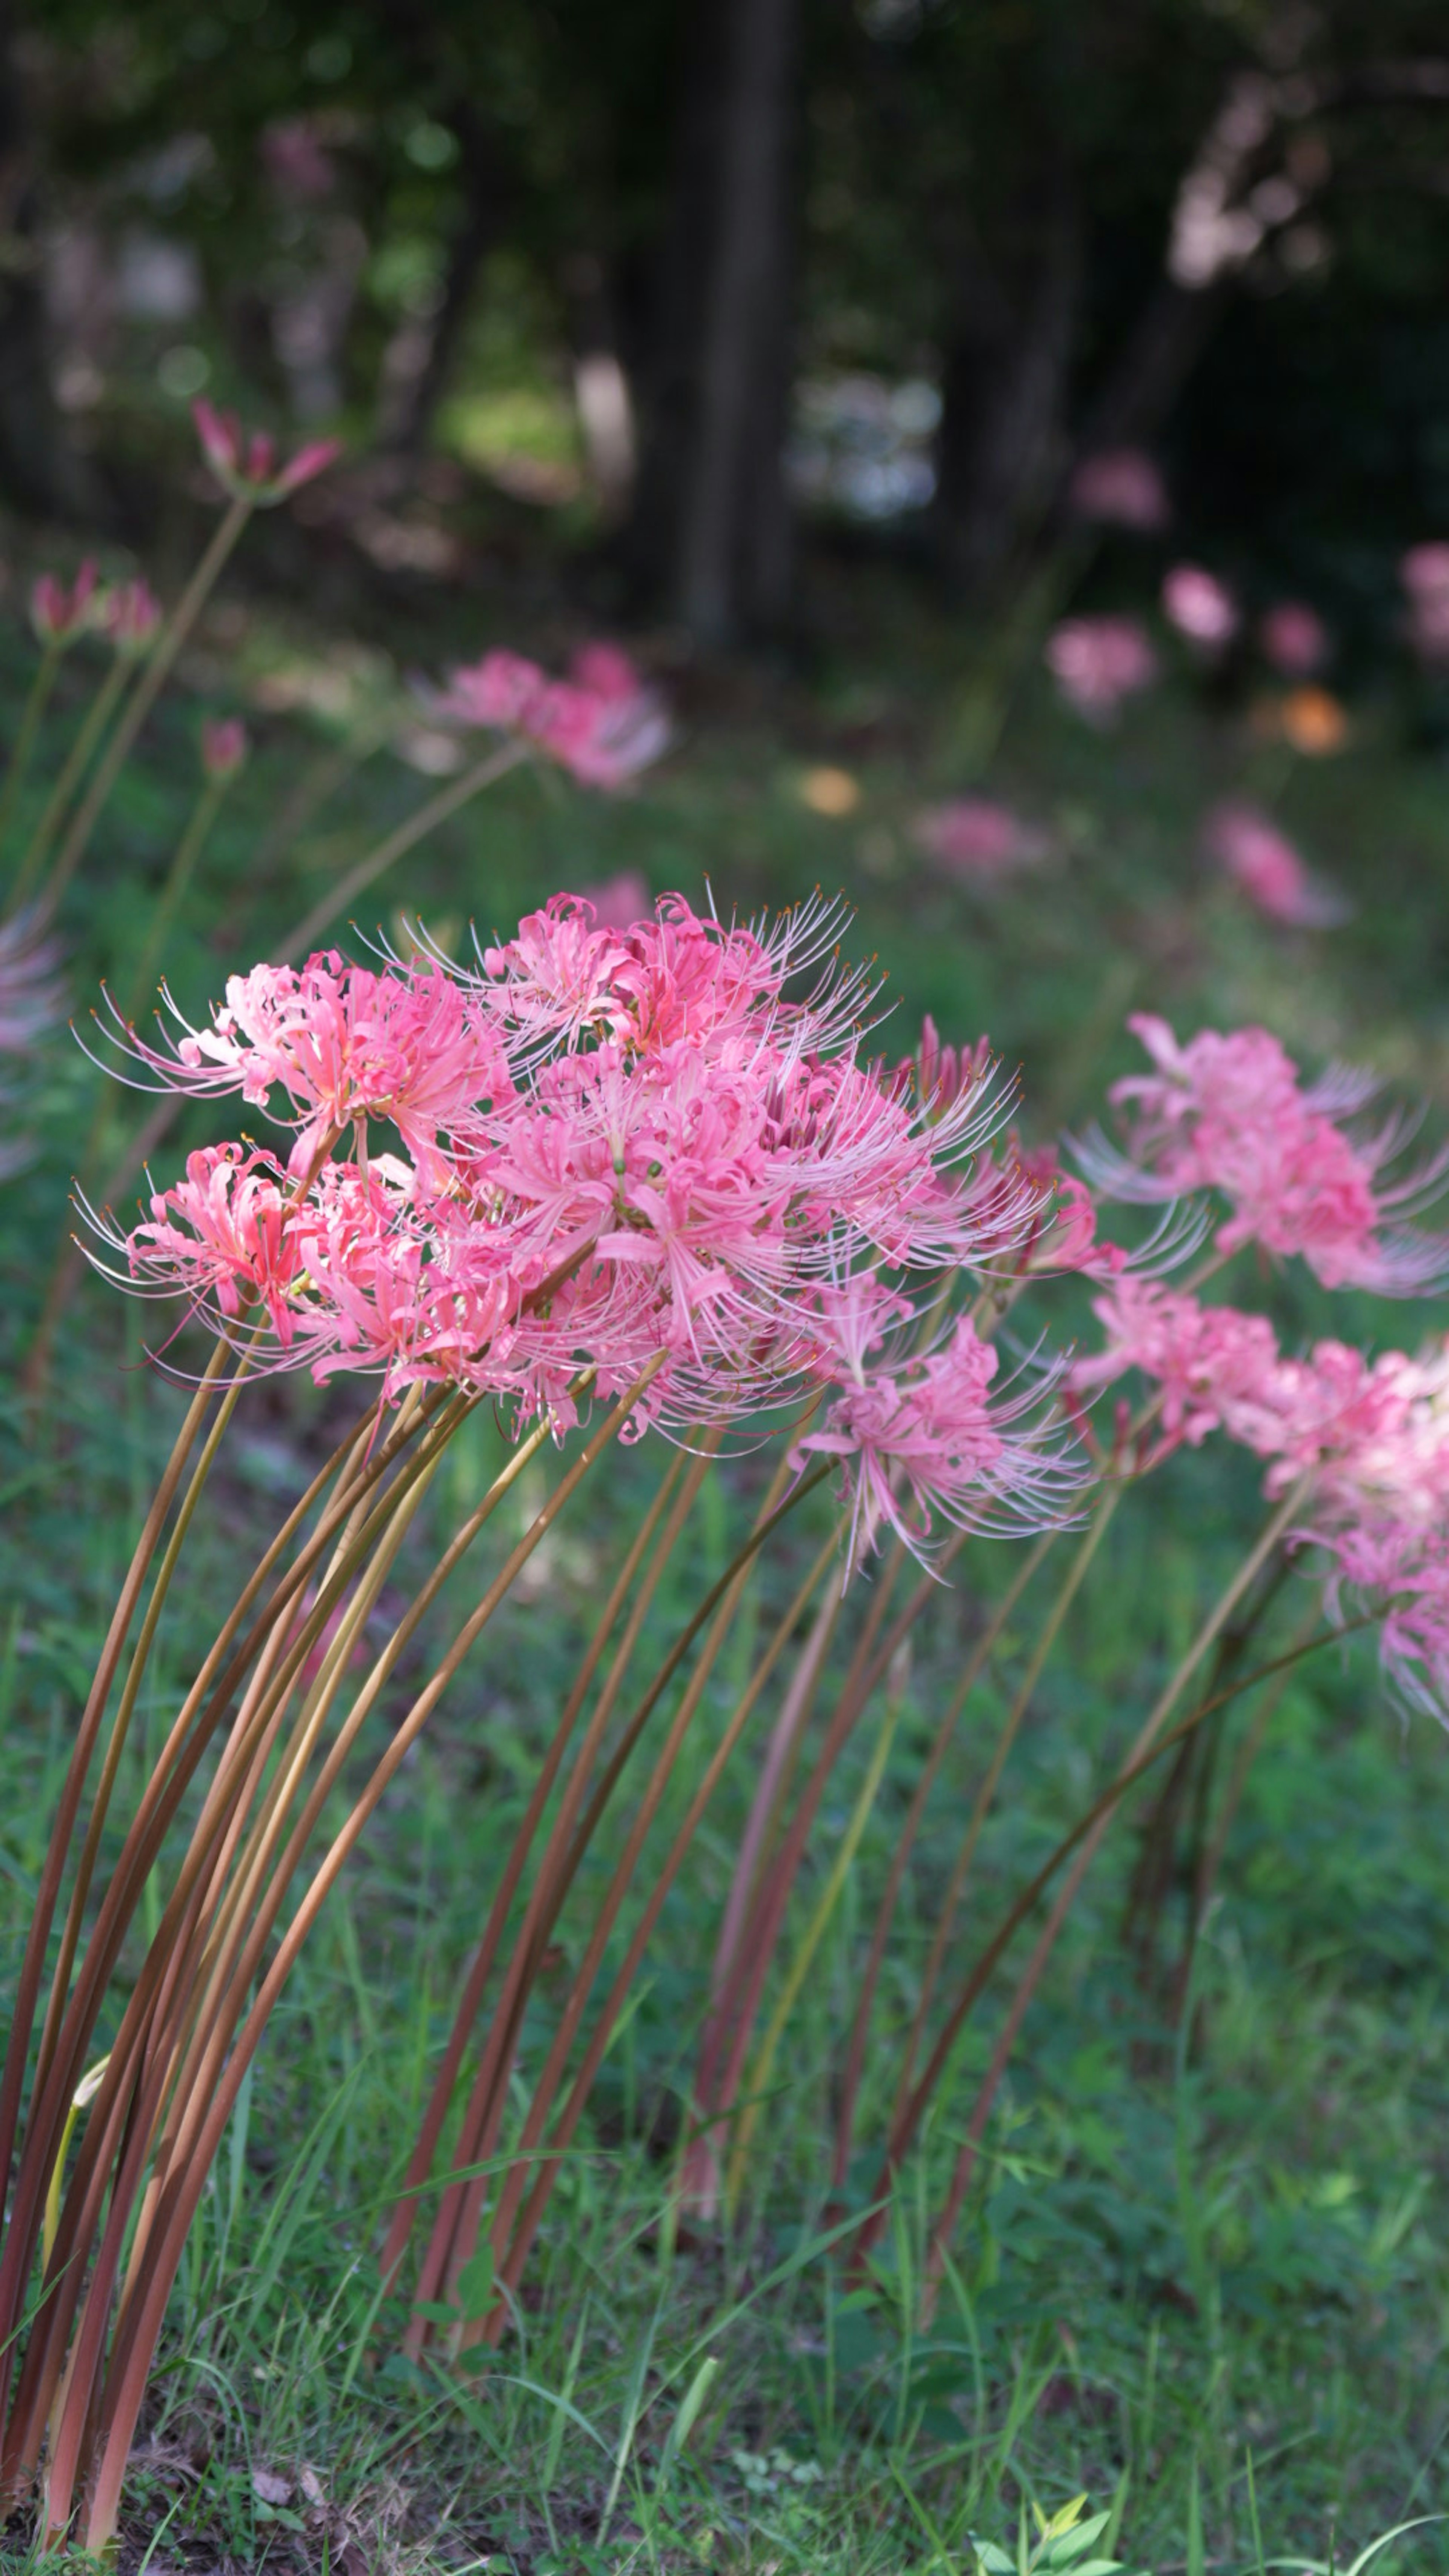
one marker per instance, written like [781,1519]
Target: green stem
[148,689]
[1088,1831]
[168,902]
[1026,1692]
[24,744]
[417,827]
[801,1964]
[77,761]
[188,851]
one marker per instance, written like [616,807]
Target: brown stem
[130,2360]
[33,1964]
[458,2218]
[583,2081]
[471,2000]
[885,1916]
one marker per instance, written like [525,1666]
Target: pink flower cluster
[977,840]
[611,1156]
[1229,1114]
[1293,637]
[1265,866]
[126,613]
[1201,607]
[1120,487]
[1097,662]
[602,723]
[1365,1445]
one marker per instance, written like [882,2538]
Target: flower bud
[223,747]
[245,463]
[58,615]
[130,614]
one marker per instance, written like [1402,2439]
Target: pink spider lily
[620,1150]
[1293,637]
[618,900]
[1229,1114]
[923,1447]
[1200,606]
[344,1046]
[977,840]
[1265,866]
[604,735]
[1365,1445]
[245,463]
[945,1074]
[1120,487]
[1100,662]
[59,614]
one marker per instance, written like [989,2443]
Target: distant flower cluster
[1100,662]
[978,840]
[1264,865]
[1229,1114]
[603,722]
[1365,1443]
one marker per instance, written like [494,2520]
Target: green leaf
[478,2283]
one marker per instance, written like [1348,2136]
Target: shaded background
[689,300]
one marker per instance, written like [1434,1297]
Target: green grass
[1194,2281]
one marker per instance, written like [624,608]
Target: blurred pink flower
[978,840]
[603,737]
[1200,606]
[1424,572]
[1254,853]
[608,672]
[618,902]
[58,615]
[1293,637]
[1098,661]
[1228,1111]
[1122,487]
[130,613]
[245,462]
[223,747]
[297,162]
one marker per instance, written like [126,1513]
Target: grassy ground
[1196,2276]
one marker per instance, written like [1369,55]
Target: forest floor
[1204,2272]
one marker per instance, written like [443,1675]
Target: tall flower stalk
[630,1169]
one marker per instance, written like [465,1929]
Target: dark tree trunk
[711,528]
[421,358]
[1005,383]
[1168,340]
[39,469]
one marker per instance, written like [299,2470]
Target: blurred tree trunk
[39,469]
[419,363]
[712,529]
[1005,380]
